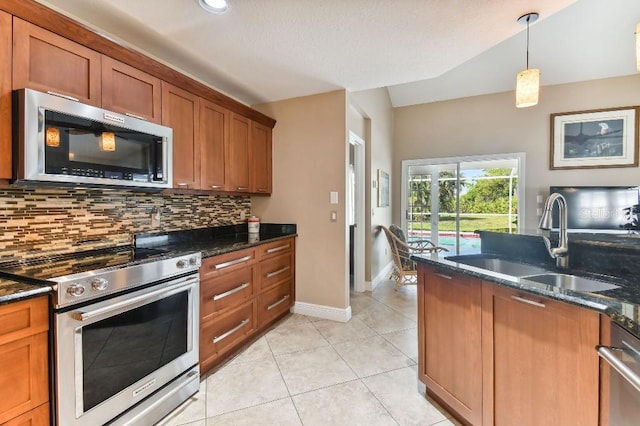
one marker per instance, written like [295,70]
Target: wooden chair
[404,269]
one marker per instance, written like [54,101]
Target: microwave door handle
[607,353]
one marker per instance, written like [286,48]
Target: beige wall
[310,154]
[375,106]
[492,124]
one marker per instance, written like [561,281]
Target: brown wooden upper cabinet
[214,134]
[5,95]
[260,150]
[238,154]
[180,111]
[47,62]
[130,91]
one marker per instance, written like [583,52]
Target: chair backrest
[399,251]
[403,251]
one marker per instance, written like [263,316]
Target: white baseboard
[320,311]
[383,275]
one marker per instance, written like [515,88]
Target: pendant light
[528,81]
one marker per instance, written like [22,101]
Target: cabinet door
[450,346]
[5,95]
[260,158]
[37,417]
[214,134]
[46,62]
[180,111]
[238,163]
[540,360]
[130,91]
[274,303]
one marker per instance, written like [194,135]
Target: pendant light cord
[528,18]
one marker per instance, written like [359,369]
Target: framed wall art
[594,139]
[383,189]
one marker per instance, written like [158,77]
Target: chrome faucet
[560,253]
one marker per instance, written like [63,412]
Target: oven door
[623,358]
[113,354]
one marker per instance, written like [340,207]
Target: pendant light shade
[638,46]
[527,81]
[527,88]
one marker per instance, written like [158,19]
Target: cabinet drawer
[275,248]
[274,302]
[221,294]
[24,382]
[275,270]
[36,417]
[22,319]
[222,334]
[214,266]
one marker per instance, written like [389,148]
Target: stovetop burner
[89,275]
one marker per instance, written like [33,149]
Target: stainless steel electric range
[125,333]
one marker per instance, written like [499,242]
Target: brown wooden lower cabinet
[241,294]
[540,361]
[37,417]
[498,356]
[24,377]
[450,346]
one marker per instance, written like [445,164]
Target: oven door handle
[137,300]
[607,353]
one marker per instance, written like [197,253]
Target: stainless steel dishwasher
[623,358]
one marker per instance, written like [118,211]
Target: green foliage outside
[484,198]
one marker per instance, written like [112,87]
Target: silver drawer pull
[446,277]
[275,249]
[528,302]
[627,373]
[60,95]
[262,189]
[230,332]
[139,117]
[232,262]
[182,183]
[242,188]
[279,271]
[216,186]
[230,292]
[279,302]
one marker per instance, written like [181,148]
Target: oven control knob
[99,284]
[193,261]
[76,290]
[182,264]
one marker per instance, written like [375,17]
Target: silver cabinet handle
[262,189]
[242,188]
[216,186]
[60,95]
[230,292]
[230,332]
[528,302]
[279,271]
[182,183]
[139,117]
[446,277]
[232,262]
[279,302]
[279,248]
[607,354]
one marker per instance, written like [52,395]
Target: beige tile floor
[307,371]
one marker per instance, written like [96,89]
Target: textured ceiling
[422,50]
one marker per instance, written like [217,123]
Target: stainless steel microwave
[58,140]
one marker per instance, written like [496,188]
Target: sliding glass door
[445,200]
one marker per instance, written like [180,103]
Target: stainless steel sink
[572,282]
[501,266]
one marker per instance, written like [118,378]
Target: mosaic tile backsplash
[36,222]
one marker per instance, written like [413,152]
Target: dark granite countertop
[15,290]
[208,241]
[622,304]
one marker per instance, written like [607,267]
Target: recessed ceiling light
[215,6]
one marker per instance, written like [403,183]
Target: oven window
[120,350]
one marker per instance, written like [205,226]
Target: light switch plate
[334,216]
[333,196]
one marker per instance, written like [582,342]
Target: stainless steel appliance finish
[125,326]
[623,357]
[140,157]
